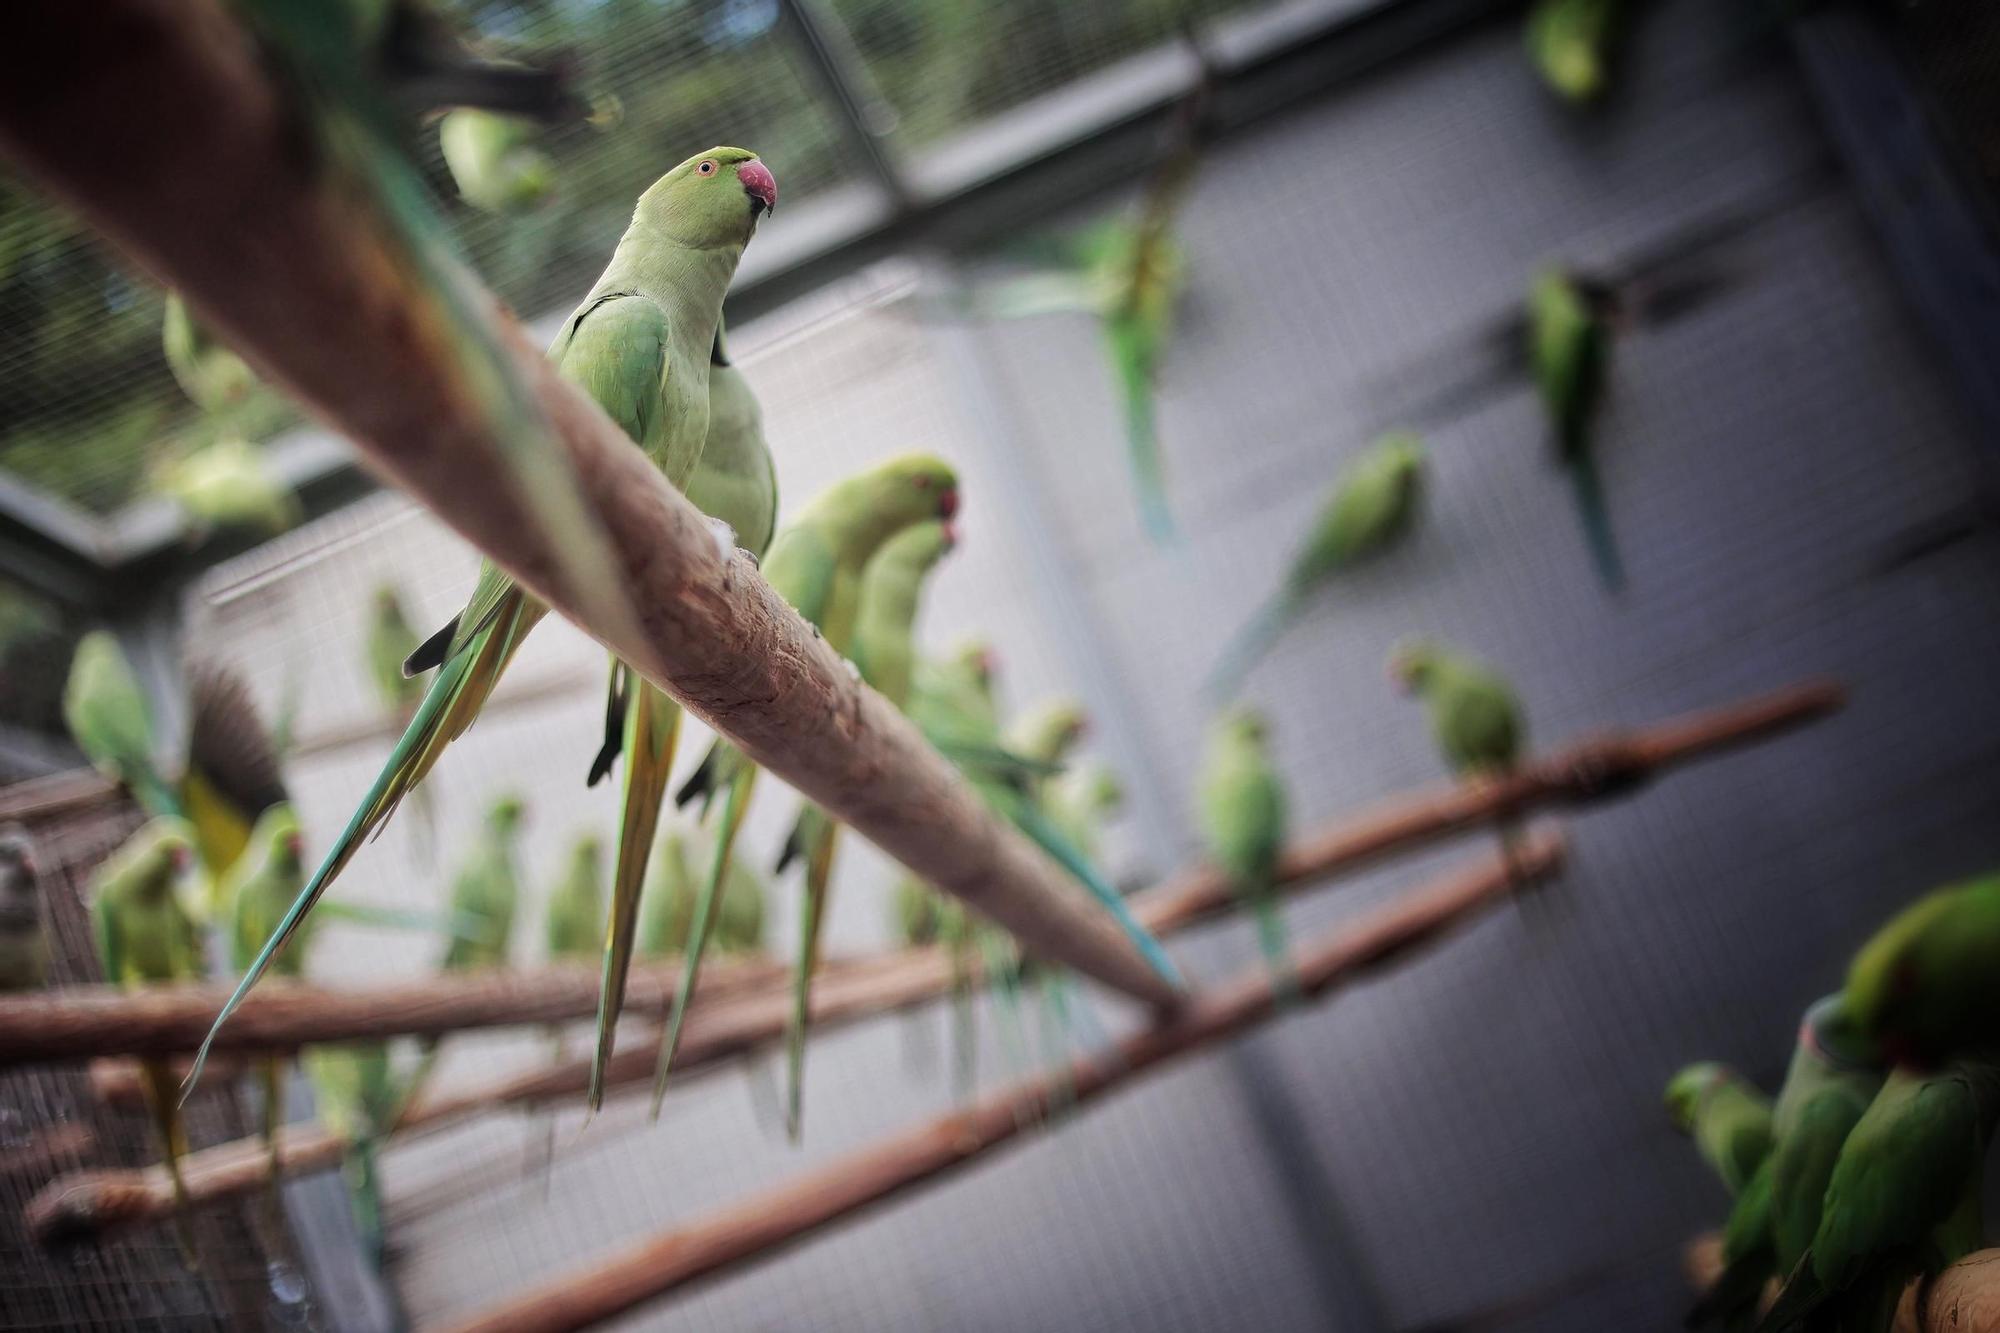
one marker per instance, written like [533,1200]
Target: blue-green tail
[1050,839]
[1132,357]
[702,921]
[819,873]
[1588,487]
[1264,628]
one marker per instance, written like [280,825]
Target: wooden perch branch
[1964,1298]
[96,1202]
[81,1023]
[766,1224]
[160,124]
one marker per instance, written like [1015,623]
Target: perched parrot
[671,890]
[257,889]
[1903,1200]
[1748,1256]
[112,724]
[1044,735]
[816,564]
[1834,1075]
[1081,801]
[639,344]
[24,945]
[576,908]
[1569,349]
[209,373]
[231,777]
[1243,822]
[1926,986]
[1475,717]
[494,160]
[892,589]
[391,640]
[145,937]
[357,1096]
[486,892]
[1728,1118]
[1570,42]
[736,484]
[226,487]
[1372,505]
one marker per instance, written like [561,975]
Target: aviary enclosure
[1366,626]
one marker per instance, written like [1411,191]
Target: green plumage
[24,944]
[257,890]
[486,893]
[494,160]
[1372,506]
[358,1096]
[1569,350]
[892,587]
[1570,43]
[575,925]
[1728,1118]
[1833,1076]
[1243,822]
[211,375]
[1927,984]
[391,640]
[1474,714]
[110,721]
[685,852]
[226,487]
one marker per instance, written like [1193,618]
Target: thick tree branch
[1964,1298]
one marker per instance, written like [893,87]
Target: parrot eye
[707,168]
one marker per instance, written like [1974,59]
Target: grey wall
[1485,1123]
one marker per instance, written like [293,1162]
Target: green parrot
[146,937]
[211,375]
[110,721]
[816,563]
[1926,986]
[1243,822]
[1902,1202]
[892,588]
[736,484]
[258,888]
[226,487]
[1569,348]
[639,344]
[1044,735]
[671,889]
[1570,42]
[357,1096]
[1834,1075]
[1476,719]
[391,640]
[1729,1119]
[231,776]
[1081,801]
[494,160]
[24,944]
[1372,505]
[1748,1256]
[486,892]
[576,908]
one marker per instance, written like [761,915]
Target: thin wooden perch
[158,122]
[80,1023]
[95,1202]
[766,1224]
[1964,1298]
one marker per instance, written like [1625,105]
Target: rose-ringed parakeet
[575,924]
[639,344]
[211,375]
[494,160]
[1903,1200]
[257,890]
[816,563]
[357,1095]
[1569,350]
[1243,822]
[146,937]
[111,722]
[1926,986]
[736,484]
[1371,506]
[391,640]
[1729,1120]
[1570,43]
[24,945]
[1476,719]
[667,915]
[227,487]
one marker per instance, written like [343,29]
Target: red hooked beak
[948,504]
[180,857]
[294,844]
[759,184]
[950,535]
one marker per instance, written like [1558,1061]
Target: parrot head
[1687,1089]
[1102,790]
[388,602]
[1913,986]
[1412,663]
[505,814]
[977,657]
[712,199]
[913,488]
[1055,728]
[162,852]
[1245,726]
[1828,1030]
[278,833]
[1401,451]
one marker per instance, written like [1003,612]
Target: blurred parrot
[1833,1077]
[494,160]
[1477,721]
[1372,505]
[639,345]
[1748,1256]
[816,564]
[1926,986]
[258,888]
[736,484]
[576,908]
[671,888]
[1081,801]
[231,777]
[892,588]
[391,640]
[24,945]
[1903,1200]
[209,373]
[1243,822]
[226,487]
[110,721]
[1729,1119]
[1570,42]
[358,1097]
[146,937]
[1044,735]
[1569,349]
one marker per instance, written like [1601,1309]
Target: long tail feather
[364,1196]
[819,870]
[1588,487]
[152,793]
[157,1080]
[449,706]
[1132,356]
[271,1086]
[1051,840]
[702,922]
[1257,637]
[1271,939]
[650,731]
[964,1027]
